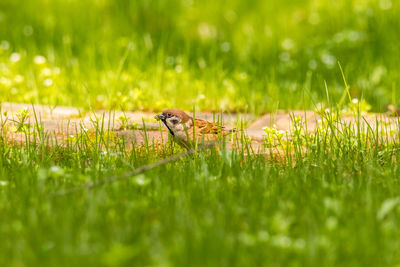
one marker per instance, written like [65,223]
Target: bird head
[175,120]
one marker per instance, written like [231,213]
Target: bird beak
[160,117]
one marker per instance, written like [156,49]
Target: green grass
[218,55]
[331,200]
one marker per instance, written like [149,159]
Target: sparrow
[394,110]
[184,128]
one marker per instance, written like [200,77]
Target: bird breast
[181,131]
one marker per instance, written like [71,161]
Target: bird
[183,128]
[394,110]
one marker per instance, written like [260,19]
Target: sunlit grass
[327,197]
[217,55]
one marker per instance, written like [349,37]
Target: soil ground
[66,121]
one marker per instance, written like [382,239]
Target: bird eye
[168,114]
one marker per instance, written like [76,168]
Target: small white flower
[18,78]
[4,45]
[288,44]
[285,57]
[15,57]
[354,100]
[178,68]
[202,63]
[54,168]
[46,72]
[56,70]
[243,75]
[170,60]
[141,180]
[328,59]
[39,60]
[207,31]
[314,18]
[225,47]
[85,129]
[385,4]
[48,82]
[3,183]
[6,82]
[14,91]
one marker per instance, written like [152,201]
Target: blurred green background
[234,55]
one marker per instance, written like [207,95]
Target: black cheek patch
[174,121]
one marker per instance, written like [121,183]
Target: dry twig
[129,174]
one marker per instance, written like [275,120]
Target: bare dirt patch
[139,127]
